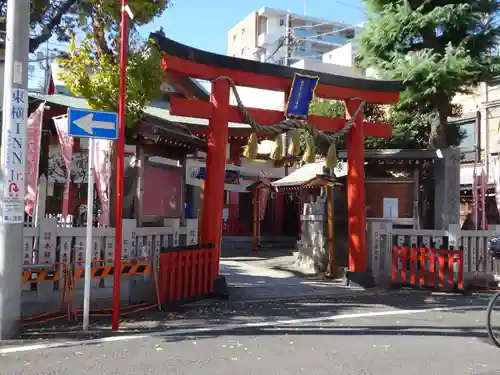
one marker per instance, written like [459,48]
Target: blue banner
[231,177]
[301,94]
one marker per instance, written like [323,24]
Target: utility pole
[288,55]
[288,39]
[13,164]
[126,13]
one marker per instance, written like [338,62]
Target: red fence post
[404,256]
[193,270]
[451,268]
[413,265]
[173,273]
[395,258]
[432,268]
[461,270]
[441,269]
[187,274]
[423,256]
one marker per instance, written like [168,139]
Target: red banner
[474,197]
[66,143]
[263,197]
[484,188]
[34,136]
[102,172]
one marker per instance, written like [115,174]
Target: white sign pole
[13,165]
[88,242]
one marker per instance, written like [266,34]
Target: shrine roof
[307,173]
[173,48]
[395,155]
[154,122]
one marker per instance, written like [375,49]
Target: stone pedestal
[313,249]
[447,189]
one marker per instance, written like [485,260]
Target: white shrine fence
[478,264]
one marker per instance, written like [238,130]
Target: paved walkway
[253,280]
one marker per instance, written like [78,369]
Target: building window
[348,34]
[468,143]
[262,25]
[243,31]
[282,21]
[234,37]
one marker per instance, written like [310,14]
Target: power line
[280,44]
[330,23]
[333,32]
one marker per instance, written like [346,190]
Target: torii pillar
[356,199]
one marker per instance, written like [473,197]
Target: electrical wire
[328,23]
[331,32]
[280,44]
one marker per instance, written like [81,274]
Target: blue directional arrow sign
[85,123]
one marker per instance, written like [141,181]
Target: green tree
[47,18]
[438,48]
[410,130]
[92,69]
[336,108]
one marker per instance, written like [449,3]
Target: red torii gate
[184,61]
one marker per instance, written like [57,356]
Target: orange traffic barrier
[40,275]
[421,264]
[100,272]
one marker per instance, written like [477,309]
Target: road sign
[85,123]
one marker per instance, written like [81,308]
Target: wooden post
[140,160]
[331,232]
[356,190]
[216,166]
[256,221]
[200,216]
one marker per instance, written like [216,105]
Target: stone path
[253,280]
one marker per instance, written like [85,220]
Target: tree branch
[98,27]
[55,21]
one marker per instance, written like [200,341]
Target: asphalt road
[413,333]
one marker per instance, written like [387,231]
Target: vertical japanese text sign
[13,159]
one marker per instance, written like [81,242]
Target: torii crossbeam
[184,61]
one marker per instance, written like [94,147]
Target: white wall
[2,65]
[476,101]
[319,66]
[343,55]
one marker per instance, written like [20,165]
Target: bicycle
[494,249]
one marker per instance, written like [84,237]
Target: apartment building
[260,36]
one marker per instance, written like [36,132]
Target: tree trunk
[439,123]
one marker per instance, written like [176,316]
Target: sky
[204,24]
